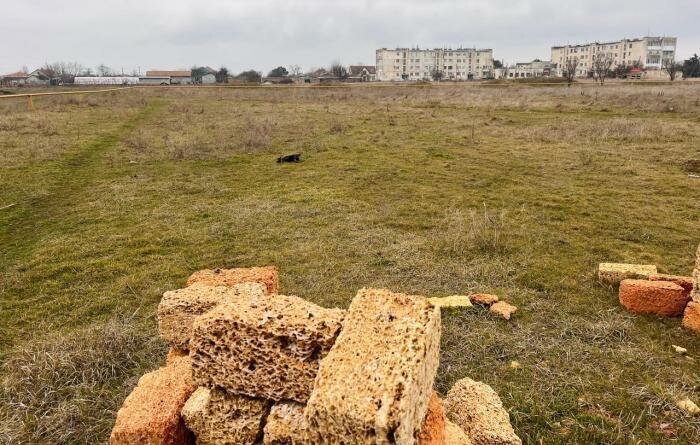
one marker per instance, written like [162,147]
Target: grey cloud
[266,33]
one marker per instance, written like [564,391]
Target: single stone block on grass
[614,273]
[267,276]
[483,299]
[219,418]
[150,415]
[452,301]
[503,309]
[375,384]
[691,317]
[263,347]
[178,309]
[476,408]
[432,431]
[285,425]
[653,297]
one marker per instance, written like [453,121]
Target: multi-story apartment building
[418,64]
[648,52]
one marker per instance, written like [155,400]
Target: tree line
[66,72]
[602,68]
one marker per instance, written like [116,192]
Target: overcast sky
[262,34]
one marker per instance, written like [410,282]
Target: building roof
[636,39]
[16,75]
[39,73]
[356,70]
[319,72]
[166,73]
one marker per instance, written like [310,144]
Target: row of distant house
[355,73]
[35,78]
[207,75]
[39,77]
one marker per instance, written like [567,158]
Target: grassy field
[515,190]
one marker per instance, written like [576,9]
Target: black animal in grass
[296,157]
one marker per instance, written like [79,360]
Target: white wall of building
[649,52]
[418,64]
[117,80]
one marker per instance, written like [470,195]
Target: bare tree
[103,70]
[437,75]
[339,71]
[294,70]
[505,69]
[570,70]
[65,71]
[672,68]
[250,76]
[602,62]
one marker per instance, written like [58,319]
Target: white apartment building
[419,64]
[648,52]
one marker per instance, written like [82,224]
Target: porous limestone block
[695,293]
[451,301]
[483,299]
[150,415]
[375,384]
[685,282]
[263,347]
[476,408]
[454,435]
[691,317]
[178,309]
[432,431]
[219,418]
[285,425]
[614,273]
[175,354]
[653,297]
[503,309]
[267,276]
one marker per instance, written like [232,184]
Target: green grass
[518,191]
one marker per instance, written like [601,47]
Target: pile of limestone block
[642,290]
[250,366]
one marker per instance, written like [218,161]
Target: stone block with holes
[375,384]
[653,297]
[179,308]
[614,273]
[151,413]
[263,347]
[268,276]
[691,316]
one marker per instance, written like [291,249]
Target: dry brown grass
[257,134]
[612,129]
[64,388]
[475,230]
